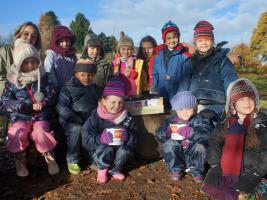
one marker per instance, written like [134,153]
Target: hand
[248,182]
[37,106]
[106,137]
[127,71]
[75,119]
[26,108]
[214,175]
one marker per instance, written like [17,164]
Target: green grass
[260,80]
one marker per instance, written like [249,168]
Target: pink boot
[102,176]
[118,176]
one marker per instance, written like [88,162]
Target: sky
[233,21]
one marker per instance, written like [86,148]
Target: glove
[75,119]
[124,137]
[248,182]
[26,108]
[106,137]
[214,175]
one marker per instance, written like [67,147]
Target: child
[77,99]
[94,53]
[97,138]
[129,68]
[61,56]
[237,149]
[147,49]
[211,70]
[28,101]
[184,137]
[168,63]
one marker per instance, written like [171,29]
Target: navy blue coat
[77,99]
[94,126]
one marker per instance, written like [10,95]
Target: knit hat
[22,51]
[184,99]
[125,41]
[91,40]
[114,87]
[239,89]
[167,27]
[203,29]
[85,67]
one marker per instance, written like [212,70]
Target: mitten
[248,182]
[124,136]
[106,137]
[133,74]
[25,108]
[214,175]
[75,119]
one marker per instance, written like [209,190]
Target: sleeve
[64,104]
[51,92]
[133,134]
[155,73]
[90,133]
[227,72]
[185,77]
[6,58]
[9,103]
[49,66]
[216,143]
[161,132]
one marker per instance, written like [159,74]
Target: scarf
[115,118]
[232,154]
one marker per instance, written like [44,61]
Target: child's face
[126,51]
[65,43]
[93,52]
[204,44]
[147,49]
[185,113]
[113,104]
[29,65]
[85,77]
[245,106]
[171,40]
[29,35]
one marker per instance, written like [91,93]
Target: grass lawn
[260,80]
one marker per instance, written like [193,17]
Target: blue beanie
[184,99]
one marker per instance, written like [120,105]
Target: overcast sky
[233,20]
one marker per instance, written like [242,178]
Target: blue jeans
[178,158]
[111,157]
[74,142]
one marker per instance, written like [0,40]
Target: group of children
[88,95]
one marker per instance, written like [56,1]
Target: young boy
[77,99]
[168,63]
[184,137]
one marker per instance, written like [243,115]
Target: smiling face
[185,113]
[244,106]
[85,77]
[65,43]
[113,104]
[93,52]
[29,64]
[126,51]
[29,35]
[172,40]
[203,44]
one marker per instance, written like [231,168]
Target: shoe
[74,168]
[118,176]
[51,163]
[21,165]
[102,176]
[198,179]
[176,176]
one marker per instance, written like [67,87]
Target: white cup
[116,135]
[174,134]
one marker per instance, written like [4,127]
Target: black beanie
[90,68]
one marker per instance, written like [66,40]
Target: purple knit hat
[116,87]
[182,100]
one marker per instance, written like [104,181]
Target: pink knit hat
[203,29]
[115,87]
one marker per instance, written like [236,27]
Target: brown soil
[146,181]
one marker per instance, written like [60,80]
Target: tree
[243,55]
[258,42]
[46,25]
[80,28]
[109,42]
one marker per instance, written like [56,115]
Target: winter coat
[200,124]
[6,59]
[12,98]
[94,126]
[59,68]
[210,82]
[174,68]
[77,99]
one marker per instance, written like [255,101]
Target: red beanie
[203,29]
[167,27]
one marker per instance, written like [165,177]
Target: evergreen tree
[80,28]
[258,43]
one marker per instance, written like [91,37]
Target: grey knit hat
[91,40]
[184,99]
